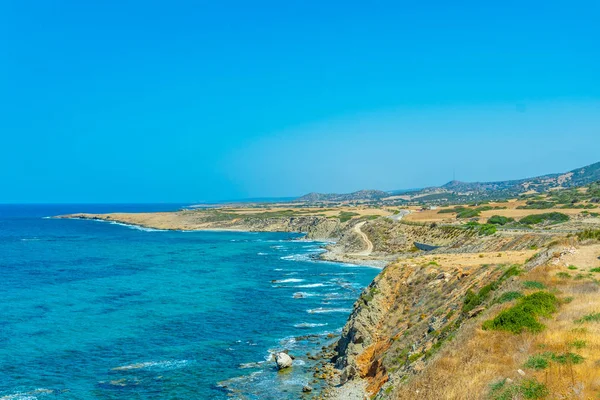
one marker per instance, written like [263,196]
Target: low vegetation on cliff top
[539,338]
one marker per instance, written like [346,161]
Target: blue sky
[185,101]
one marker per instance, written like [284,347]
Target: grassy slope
[478,358]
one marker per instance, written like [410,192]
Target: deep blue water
[94,310]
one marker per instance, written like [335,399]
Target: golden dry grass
[511,211]
[467,366]
[475,259]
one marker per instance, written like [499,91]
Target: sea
[100,310]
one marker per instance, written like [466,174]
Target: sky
[190,101]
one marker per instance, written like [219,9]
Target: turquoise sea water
[94,310]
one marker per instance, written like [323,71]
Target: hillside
[360,195]
[457,191]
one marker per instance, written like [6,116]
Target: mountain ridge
[576,177]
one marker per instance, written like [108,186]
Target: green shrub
[527,389]
[473,300]
[499,220]
[533,285]
[572,267]
[589,234]
[595,270]
[537,362]
[468,213]
[346,216]
[565,358]
[509,296]
[563,275]
[594,317]
[484,230]
[547,218]
[524,315]
[537,205]
[578,344]
[532,389]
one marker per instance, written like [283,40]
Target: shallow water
[94,310]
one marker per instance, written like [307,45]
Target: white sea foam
[136,227]
[33,395]
[321,310]
[308,325]
[262,254]
[289,280]
[154,364]
[251,365]
[305,294]
[310,285]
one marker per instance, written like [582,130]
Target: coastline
[322,368]
[333,252]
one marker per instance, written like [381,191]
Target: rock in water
[283,360]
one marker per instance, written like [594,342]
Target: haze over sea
[94,310]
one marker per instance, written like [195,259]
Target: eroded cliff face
[412,309]
[316,227]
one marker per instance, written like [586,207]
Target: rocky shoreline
[410,309]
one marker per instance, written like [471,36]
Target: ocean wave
[289,280]
[252,365]
[136,227]
[154,365]
[299,295]
[310,285]
[33,395]
[308,325]
[29,240]
[322,310]
[262,254]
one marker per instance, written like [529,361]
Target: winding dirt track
[365,238]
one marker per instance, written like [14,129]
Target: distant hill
[477,190]
[576,177]
[360,195]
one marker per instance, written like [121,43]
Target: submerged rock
[283,360]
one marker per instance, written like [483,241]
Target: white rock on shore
[283,360]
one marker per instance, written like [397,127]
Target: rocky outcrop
[407,314]
[283,360]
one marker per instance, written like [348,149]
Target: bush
[589,234]
[594,317]
[537,362]
[563,275]
[346,216]
[468,213]
[509,296]
[527,389]
[532,389]
[595,270]
[533,285]
[547,218]
[565,358]
[483,230]
[473,300]
[524,315]
[537,205]
[499,220]
[578,344]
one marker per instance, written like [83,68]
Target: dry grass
[467,367]
[511,211]
[474,259]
